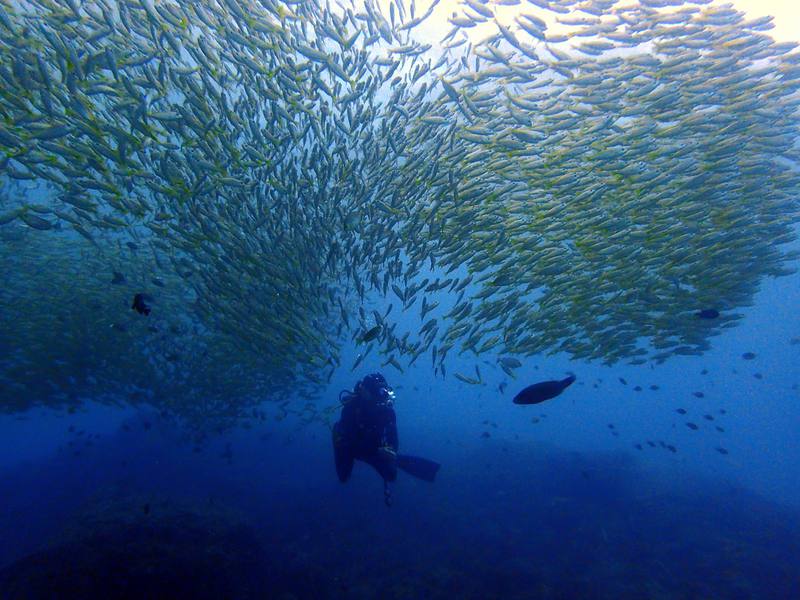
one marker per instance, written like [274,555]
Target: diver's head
[374,387]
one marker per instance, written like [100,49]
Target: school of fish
[286,179]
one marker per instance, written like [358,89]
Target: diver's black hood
[377,385]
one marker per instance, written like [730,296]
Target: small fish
[720,429]
[654,387]
[692,426]
[118,279]
[545,390]
[748,356]
[704,372]
[157,281]
[708,417]
[698,394]
[139,304]
[681,411]
[510,362]
[707,313]
[651,443]
[485,435]
[638,446]
[721,450]
[638,388]
[146,508]
[622,381]
[672,448]
[502,387]
[371,334]
[758,376]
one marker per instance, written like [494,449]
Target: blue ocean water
[674,479]
[547,501]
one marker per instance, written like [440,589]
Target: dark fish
[638,446]
[638,388]
[502,387]
[708,417]
[707,313]
[758,376]
[748,356]
[545,390]
[157,281]
[721,450]
[681,411]
[622,381]
[672,448]
[485,434]
[651,443]
[720,429]
[654,387]
[722,411]
[118,279]
[698,394]
[692,426]
[535,420]
[611,426]
[371,334]
[146,509]
[139,304]
[704,372]
[119,327]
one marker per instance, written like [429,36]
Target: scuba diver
[367,431]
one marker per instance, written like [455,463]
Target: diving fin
[422,468]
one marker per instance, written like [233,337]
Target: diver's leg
[342,455]
[385,463]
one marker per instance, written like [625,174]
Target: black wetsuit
[363,429]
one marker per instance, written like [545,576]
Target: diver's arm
[348,418]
